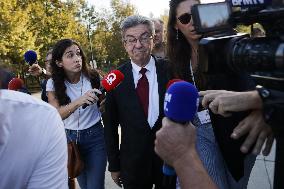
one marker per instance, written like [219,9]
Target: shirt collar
[150,66]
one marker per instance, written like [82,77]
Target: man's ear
[124,44]
[59,64]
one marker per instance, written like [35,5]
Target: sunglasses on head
[185,18]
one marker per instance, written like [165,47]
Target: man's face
[47,62]
[138,43]
[159,33]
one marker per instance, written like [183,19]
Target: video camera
[222,50]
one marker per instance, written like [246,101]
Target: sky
[145,7]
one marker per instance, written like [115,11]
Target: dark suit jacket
[136,158]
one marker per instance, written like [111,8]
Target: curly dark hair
[58,73]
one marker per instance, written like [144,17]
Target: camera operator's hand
[224,102]
[258,133]
[174,141]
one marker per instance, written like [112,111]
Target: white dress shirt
[153,108]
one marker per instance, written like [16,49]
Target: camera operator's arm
[224,102]
[258,133]
[175,143]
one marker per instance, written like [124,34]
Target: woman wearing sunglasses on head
[221,156]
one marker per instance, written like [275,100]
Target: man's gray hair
[134,20]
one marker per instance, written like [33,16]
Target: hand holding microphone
[180,106]
[174,141]
[35,70]
[90,97]
[109,82]
[31,58]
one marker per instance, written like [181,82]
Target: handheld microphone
[15,84]
[30,57]
[180,105]
[109,82]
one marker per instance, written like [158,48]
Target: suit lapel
[161,78]
[128,80]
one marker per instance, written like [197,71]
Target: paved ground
[261,177]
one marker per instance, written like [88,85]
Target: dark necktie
[143,91]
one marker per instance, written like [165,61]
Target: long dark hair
[58,73]
[178,49]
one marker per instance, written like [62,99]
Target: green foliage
[38,24]
[108,45]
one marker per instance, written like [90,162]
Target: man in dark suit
[137,106]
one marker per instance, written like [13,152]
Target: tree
[107,37]
[37,25]
[14,33]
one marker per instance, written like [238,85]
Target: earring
[177,35]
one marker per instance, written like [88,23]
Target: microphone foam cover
[112,80]
[15,84]
[30,57]
[181,102]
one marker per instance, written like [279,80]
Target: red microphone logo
[110,78]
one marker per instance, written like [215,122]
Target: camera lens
[256,54]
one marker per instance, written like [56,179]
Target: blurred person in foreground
[26,121]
